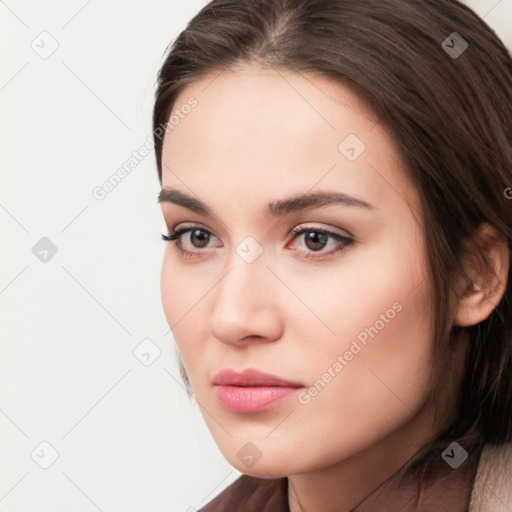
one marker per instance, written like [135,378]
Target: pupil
[317,239]
[202,237]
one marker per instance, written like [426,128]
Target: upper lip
[251,377]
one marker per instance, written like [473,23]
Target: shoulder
[248,493]
[492,490]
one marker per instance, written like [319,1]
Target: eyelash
[344,241]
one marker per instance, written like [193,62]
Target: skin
[259,135]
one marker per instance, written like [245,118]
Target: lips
[252,391]
[252,377]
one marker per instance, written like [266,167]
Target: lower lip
[252,399]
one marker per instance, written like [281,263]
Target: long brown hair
[450,116]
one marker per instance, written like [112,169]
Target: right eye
[198,238]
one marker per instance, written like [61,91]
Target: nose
[246,307]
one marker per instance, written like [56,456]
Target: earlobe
[487,288]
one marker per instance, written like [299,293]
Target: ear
[485,290]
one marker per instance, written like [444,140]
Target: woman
[336,182]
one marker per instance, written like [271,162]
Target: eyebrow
[276,208]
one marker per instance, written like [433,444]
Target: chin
[264,459]
[262,469]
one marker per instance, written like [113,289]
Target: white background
[127,436]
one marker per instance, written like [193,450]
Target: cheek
[388,361]
[381,347]
[376,299]
[170,290]
[378,341]
[387,364]
[181,289]
[376,388]
[175,296]
[183,304]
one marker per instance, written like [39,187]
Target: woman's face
[345,319]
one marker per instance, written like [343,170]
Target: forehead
[268,129]
[250,105]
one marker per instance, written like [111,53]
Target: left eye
[316,239]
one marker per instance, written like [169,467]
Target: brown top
[435,486]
